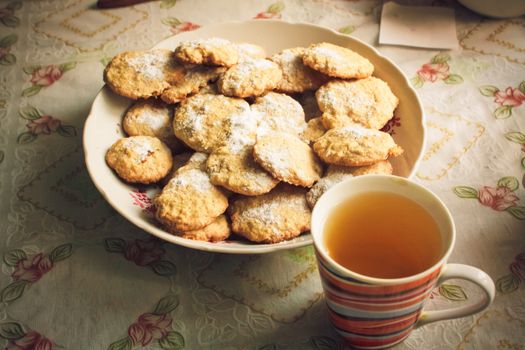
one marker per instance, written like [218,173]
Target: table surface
[75,275]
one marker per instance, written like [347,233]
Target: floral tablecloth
[75,275]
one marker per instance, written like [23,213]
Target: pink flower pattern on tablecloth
[144,252]
[499,198]
[151,327]
[436,70]
[506,100]
[178,26]
[512,281]
[272,12]
[148,328]
[39,124]
[45,76]
[31,270]
[28,270]
[30,341]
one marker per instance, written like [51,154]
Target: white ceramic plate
[102,127]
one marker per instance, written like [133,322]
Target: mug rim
[321,250]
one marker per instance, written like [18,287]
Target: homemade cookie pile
[240,142]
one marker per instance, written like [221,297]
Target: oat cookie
[238,172]
[194,79]
[140,159]
[296,76]
[219,230]
[337,61]
[205,122]
[190,201]
[152,118]
[382,167]
[250,78]
[277,216]
[142,74]
[314,130]
[250,51]
[368,102]
[338,173]
[354,145]
[212,52]
[279,113]
[288,159]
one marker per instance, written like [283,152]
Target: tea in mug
[383,235]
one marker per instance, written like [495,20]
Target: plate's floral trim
[141,199]
[273,11]
[28,270]
[177,26]
[509,283]
[143,253]
[44,76]
[166,4]
[6,57]
[391,124]
[519,138]
[155,326]
[499,198]
[39,123]
[7,14]
[507,100]
[20,339]
[437,69]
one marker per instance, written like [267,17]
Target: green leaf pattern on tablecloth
[519,138]
[7,14]
[272,12]
[6,43]
[511,282]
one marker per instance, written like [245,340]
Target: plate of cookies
[222,139]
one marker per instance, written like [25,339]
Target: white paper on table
[418,26]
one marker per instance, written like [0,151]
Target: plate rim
[224,247]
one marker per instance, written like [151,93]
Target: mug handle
[468,273]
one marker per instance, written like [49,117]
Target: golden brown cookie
[296,76]
[190,201]
[338,173]
[219,230]
[279,113]
[274,217]
[382,167]
[314,130]
[205,122]
[152,118]
[194,79]
[142,74]
[250,51]
[211,51]
[368,102]
[140,159]
[354,145]
[238,172]
[250,78]
[288,159]
[337,61]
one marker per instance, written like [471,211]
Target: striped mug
[374,313]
